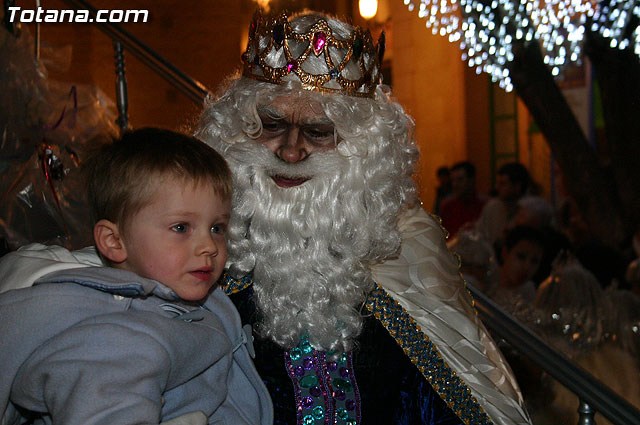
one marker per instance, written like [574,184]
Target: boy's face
[521,262]
[178,238]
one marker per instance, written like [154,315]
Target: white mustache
[317,164]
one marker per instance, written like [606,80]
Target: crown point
[319,40]
[254,23]
[357,48]
[319,36]
[381,47]
[278,34]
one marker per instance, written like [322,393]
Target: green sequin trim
[424,354]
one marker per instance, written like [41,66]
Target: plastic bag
[46,128]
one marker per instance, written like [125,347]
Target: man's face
[460,182]
[507,190]
[179,238]
[444,179]
[293,130]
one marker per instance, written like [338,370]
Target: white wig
[310,247]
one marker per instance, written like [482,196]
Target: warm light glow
[368,8]
[263,4]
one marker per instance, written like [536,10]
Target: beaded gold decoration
[426,357]
[269,36]
[230,285]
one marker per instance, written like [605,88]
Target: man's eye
[272,126]
[319,135]
[180,228]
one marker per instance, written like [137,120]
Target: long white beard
[307,246]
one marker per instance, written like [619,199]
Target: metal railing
[195,90]
[122,41]
[594,395]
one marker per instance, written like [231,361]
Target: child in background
[520,258]
[148,337]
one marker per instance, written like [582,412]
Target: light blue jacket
[99,345]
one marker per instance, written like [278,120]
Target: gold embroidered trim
[426,357]
[231,285]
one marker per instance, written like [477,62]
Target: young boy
[521,256]
[149,337]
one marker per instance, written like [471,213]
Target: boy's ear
[108,239]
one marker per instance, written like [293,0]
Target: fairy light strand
[486,31]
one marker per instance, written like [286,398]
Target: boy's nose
[208,247]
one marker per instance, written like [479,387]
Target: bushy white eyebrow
[273,113]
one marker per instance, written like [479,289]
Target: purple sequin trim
[325,391]
[356,392]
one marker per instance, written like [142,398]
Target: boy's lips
[203,273]
[289,182]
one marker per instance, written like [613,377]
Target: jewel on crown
[276,53]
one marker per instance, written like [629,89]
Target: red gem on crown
[274,38]
[319,40]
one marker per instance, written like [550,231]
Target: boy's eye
[180,228]
[218,228]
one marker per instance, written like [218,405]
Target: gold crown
[272,34]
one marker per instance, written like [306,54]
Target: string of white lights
[488,30]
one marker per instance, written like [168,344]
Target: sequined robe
[389,388]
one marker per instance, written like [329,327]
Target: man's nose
[294,147]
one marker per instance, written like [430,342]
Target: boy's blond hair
[120,175]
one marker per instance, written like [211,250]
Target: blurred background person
[606,262]
[444,189]
[534,211]
[538,213]
[520,259]
[465,205]
[512,183]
